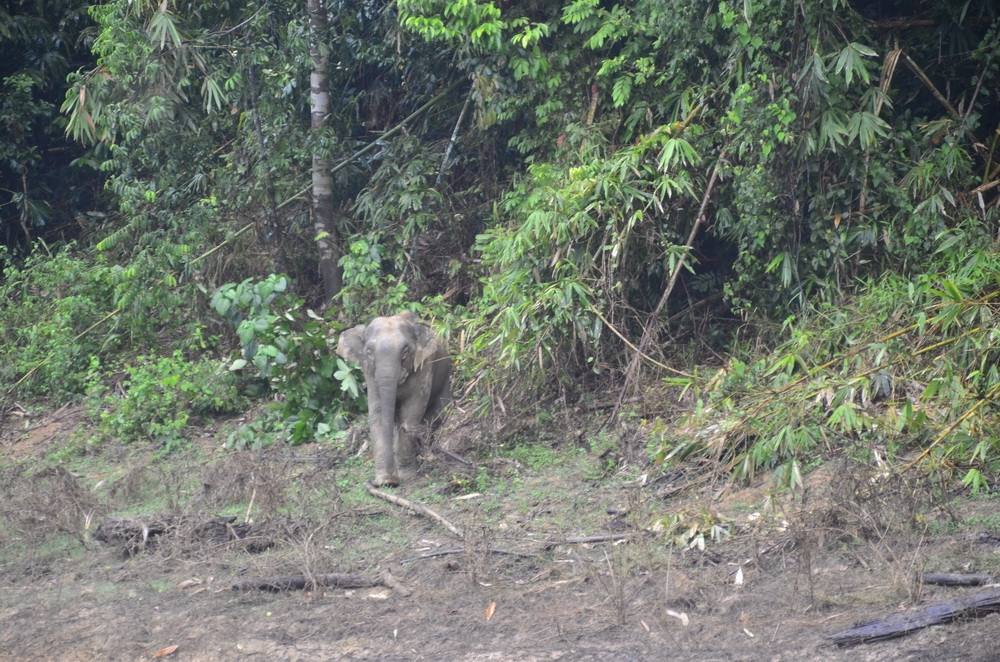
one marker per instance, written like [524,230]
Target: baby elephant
[406,371]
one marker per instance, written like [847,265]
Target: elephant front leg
[411,431]
[386,473]
[383,443]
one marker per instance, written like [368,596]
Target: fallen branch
[299,582]
[956,579]
[584,540]
[414,507]
[896,625]
[452,455]
[462,550]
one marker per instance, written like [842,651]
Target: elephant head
[406,372]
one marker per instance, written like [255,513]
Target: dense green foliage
[46,305]
[162,395]
[905,366]
[291,354]
[551,183]
[48,187]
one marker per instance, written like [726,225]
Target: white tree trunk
[322,181]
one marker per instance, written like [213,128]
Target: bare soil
[790,572]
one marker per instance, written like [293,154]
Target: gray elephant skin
[407,370]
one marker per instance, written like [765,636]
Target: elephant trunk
[386,381]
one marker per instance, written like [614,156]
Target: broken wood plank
[899,624]
[957,579]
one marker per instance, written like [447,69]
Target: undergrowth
[161,397]
[905,373]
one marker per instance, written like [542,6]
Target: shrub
[909,368]
[46,303]
[162,394]
[292,352]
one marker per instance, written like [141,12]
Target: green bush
[47,302]
[293,353]
[907,369]
[163,394]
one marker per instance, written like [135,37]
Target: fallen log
[329,580]
[299,582]
[899,624]
[463,550]
[956,579]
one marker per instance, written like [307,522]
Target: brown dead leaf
[490,610]
[164,652]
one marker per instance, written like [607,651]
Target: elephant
[407,372]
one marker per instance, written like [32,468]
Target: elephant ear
[426,345]
[351,344]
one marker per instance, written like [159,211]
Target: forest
[717,282]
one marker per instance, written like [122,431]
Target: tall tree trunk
[327,239]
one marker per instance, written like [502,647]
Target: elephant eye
[406,352]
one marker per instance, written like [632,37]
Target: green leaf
[851,62]
[162,28]
[621,91]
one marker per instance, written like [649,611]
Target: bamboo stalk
[636,349]
[647,332]
[992,393]
[915,68]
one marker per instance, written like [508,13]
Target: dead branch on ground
[414,507]
[586,540]
[956,579]
[899,624]
[299,582]
[462,550]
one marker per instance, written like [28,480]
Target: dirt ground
[514,587]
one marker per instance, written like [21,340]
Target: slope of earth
[760,576]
